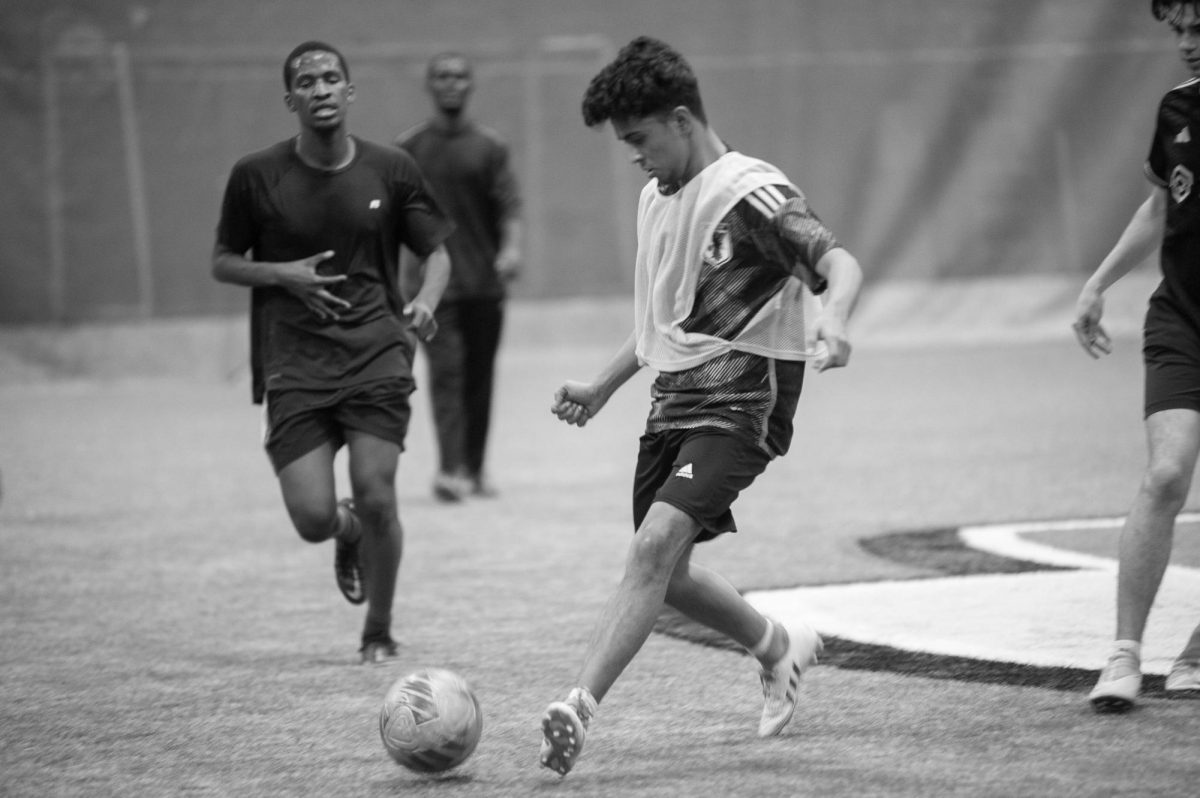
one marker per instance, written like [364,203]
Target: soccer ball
[430,720]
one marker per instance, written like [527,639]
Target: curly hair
[1169,10]
[647,78]
[289,70]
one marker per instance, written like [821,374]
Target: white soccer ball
[430,720]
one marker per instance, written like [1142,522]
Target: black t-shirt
[471,177]
[1174,164]
[277,208]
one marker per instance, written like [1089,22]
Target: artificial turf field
[164,632]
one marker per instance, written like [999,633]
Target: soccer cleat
[564,727]
[781,682]
[1119,683]
[1184,676]
[378,651]
[347,568]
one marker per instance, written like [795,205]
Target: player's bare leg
[625,623]
[373,464]
[1173,437]
[309,494]
[783,654]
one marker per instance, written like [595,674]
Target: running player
[729,258]
[1169,220]
[313,225]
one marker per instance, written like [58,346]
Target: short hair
[1169,10]
[446,56]
[289,72]
[647,78]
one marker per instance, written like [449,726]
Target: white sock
[1133,647]
[764,645]
[583,698]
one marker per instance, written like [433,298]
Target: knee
[1167,484]
[314,524]
[376,508]
[654,552]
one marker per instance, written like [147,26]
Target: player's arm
[843,277]
[509,258]
[827,269]
[1138,241]
[431,273]
[299,277]
[507,202]
[576,402]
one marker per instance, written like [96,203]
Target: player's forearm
[511,235]
[623,365]
[1138,241]
[844,278]
[435,274]
[231,267]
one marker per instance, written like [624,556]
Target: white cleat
[781,682]
[1119,683]
[564,728]
[1184,676]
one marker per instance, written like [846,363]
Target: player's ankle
[583,701]
[1132,647]
[773,645]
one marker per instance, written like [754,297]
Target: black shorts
[1171,355]
[298,421]
[699,471]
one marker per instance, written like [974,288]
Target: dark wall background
[941,139]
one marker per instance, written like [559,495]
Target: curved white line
[1006,540]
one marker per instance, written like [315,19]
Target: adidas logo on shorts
[684,471]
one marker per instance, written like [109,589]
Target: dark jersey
[1174,164]
[470,175]
[745,266]
[277,208]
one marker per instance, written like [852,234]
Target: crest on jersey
[1181,183]
[720,249]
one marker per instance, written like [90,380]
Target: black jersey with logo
[281,209]
[1174,164]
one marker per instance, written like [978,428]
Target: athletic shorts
[1171,356]
[699,471]
[299,421]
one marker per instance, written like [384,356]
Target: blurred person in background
[729,259]
[313,226]
[1169,222]
[467,164]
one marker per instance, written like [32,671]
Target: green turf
[165,633]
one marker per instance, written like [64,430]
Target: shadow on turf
[942,552]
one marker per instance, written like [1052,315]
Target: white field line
[1045,618]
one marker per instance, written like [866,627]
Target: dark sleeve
[506,198]
[1156,162]
[236,231]
[423,223]
[804,236]
[237,227]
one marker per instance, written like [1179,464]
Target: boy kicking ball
[730,259]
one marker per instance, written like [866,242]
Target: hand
[1088,331]
[576,402]
[420,318]
[508,265]
[312,288]
[837,346]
